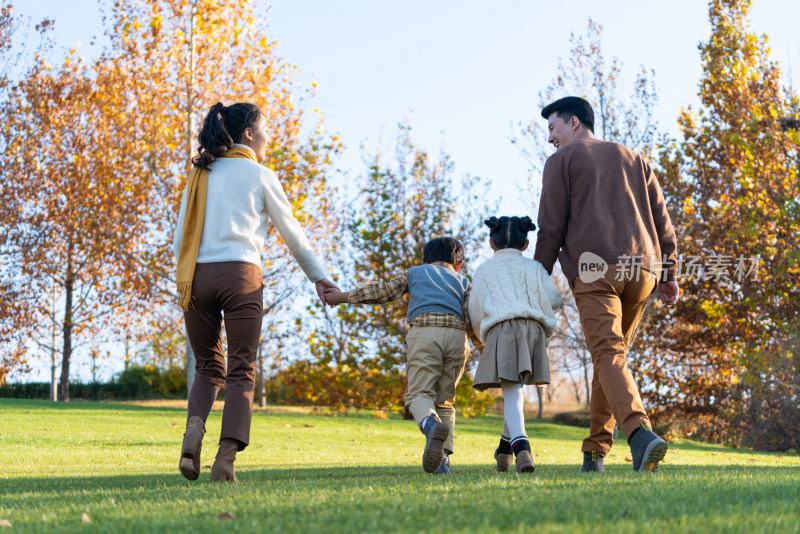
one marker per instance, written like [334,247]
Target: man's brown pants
[232,288]
[610,311]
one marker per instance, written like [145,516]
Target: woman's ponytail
[222,127]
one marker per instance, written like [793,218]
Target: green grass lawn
[117,463]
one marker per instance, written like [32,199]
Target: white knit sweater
[242,197]
[511,286]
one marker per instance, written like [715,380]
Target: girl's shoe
[525,462]
[192,444]
[222,470]
[504,461]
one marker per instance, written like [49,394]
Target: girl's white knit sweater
[511,286]
[242,198]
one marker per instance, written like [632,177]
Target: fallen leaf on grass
[226,516]
[85,518]
[378,414]
[5,523]
[174,424]
[308,426]
[628,459]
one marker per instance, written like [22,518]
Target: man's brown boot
[524,462]
[222,470]
[192,444]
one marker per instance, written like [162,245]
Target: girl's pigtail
[526,224]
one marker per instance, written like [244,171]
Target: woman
[227,205]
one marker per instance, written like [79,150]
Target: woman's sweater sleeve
[280,212]
[176,240]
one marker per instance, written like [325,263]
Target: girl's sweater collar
[507,252]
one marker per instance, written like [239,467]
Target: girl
[229,200]
[511,309]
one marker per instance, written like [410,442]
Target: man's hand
[323,285]
[668,292]
[335,297]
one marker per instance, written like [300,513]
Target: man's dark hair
[444,249]
[571,106]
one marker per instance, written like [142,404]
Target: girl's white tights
[513,417]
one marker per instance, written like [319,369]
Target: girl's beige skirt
[515,351]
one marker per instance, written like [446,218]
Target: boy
[436,345]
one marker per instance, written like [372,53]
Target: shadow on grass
[387,475]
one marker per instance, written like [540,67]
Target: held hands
[322,286]
[668,292]
[335,297]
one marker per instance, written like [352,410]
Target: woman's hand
[321,286]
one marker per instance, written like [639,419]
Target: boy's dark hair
[444,249]
[571,106]
[509,232]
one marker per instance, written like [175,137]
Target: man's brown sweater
[604,198]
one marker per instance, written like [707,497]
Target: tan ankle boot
[525,462]
[504,461]
[222,470]
[192,444]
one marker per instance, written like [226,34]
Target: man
[602,215]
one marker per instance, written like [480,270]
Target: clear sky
[464,71]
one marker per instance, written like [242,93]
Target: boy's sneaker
[504,461]
[647,449]
[444,468]
[436,433]
[592,463]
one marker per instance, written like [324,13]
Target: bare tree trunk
[53,382]
[67,351]
[53,363]
[260,396]
[541,401]
[190,365]
[586,378]
[190,359]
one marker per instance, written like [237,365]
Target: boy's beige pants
[436,357]
[610,311]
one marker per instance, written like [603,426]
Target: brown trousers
[610,311]
[235,290]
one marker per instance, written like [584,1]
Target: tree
[75,212]
[734,181]
[621,117]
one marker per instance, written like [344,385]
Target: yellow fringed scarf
[196,194]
